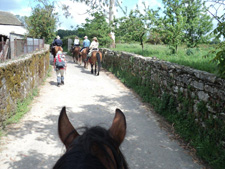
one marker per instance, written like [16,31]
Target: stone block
[203,96]
[197,85]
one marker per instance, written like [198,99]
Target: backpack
[60,62]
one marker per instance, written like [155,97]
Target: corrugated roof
[7,29]
[6,18]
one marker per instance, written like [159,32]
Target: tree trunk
[111,16]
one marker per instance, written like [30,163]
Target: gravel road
[90,100]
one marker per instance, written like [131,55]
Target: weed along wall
[18,78]
[191,99]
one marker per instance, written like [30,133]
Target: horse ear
[67,133]
[118,128]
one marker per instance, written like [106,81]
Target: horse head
[96,148]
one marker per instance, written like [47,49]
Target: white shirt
[76,41]
[94,44]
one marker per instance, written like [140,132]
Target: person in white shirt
[94,46]
[76,41]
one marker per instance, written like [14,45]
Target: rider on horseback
[76,42]
[86,43]
[93,46]
[58,42]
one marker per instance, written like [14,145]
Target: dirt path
[90,100]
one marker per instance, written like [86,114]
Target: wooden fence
[19,47]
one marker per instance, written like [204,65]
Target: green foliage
[136,26]
[194,60]
[198,23]
[98,27]
[64,33]
[172,25]
[155,38]
[131,28]
[215,41]
[65,42]
[189,52]
[184,21]
[219,50]
[42,23]
[219,58]
[80,32]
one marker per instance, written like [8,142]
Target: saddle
[95,49]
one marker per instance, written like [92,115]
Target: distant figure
[76,41]
[112,37]
[58,41]
[86,43]
[60,67]
[93,46]
[57,46]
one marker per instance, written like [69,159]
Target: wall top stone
[180,69]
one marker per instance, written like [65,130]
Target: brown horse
[84,56]
[76,52]
[96,148]
[96,56]
[56,49]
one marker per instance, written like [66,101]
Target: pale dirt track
[90,100]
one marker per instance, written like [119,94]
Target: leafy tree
[42,22]
[98,27]
[184,21]
[215,7]
[198,23]
[154,38]
[63,33]
[172,25]
[106,6]
[80,32]
[132,28]
[219,50]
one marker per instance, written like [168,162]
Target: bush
[189,52]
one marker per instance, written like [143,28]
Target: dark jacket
[57,42]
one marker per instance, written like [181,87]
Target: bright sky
[23,8]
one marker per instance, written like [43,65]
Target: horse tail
[99,61]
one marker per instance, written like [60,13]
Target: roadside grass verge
[23,106]
[191,57]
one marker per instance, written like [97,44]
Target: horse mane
[83,151]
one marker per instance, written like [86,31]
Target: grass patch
[22,108]
[193,58]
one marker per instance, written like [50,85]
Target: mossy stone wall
[199,93]
[19,77]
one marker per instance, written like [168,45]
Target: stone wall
[19,77]
[201,91]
